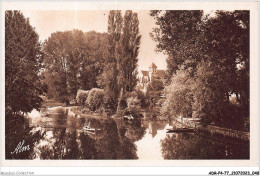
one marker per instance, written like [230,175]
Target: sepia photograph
[127,84]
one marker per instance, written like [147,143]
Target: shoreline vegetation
[154,116]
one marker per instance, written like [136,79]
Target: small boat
[89,129]
[89,132]
[180,130]
[194,119]
[86,127]
[130,117]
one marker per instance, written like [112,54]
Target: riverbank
[212,129]
[227,132]
[148,114]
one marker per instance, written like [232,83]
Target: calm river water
[54,135]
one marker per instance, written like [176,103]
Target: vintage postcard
[129,84]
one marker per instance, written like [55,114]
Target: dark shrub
[82,96]
[95,99]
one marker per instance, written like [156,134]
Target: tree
[74,61]
[108,79]
[227,36]
[120,72]
[23,63]
[179,35]
[75,49]
[228,44]
[179,96]
[56,63]
[215,52]
[129,49]
[210,103]
[93,64]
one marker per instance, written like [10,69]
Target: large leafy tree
[228,46]
[210,101]
[23,63]
[94,62]
[227,65]
[73,61]
[56,64]
[179,96]
[215,50]
[179,35]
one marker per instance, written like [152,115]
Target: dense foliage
[212,56]
[120,70]
[23,63]
[73,61]
[108,79]
[179,96]
[128,52]
[154,91]
[133,106]
[95,99]
[82,96]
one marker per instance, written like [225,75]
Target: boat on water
[87,127]
[129,117]
[180,130]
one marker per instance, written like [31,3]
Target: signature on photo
[20,148]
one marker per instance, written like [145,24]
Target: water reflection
[58,135]
[73,143]
[17,129]
[149,148]
[203,146]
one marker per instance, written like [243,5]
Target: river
[53,134]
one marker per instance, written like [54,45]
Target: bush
[141,97]
[134,94]
[154,91]
[123,101]
[133,106]
[95,98]
[179,96]
[82,96]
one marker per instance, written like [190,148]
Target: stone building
[148,76]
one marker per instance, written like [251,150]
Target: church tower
[152,70]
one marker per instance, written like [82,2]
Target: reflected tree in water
[203,146]
[134,130]
[87,147]
[107,143]
[17,129]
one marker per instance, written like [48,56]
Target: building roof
[153,66]
[161,73]
[145,73]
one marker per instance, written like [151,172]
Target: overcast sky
[47,22]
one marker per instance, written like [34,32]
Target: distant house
[148,76]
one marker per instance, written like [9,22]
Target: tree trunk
[119,100]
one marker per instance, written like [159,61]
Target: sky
[47,22]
